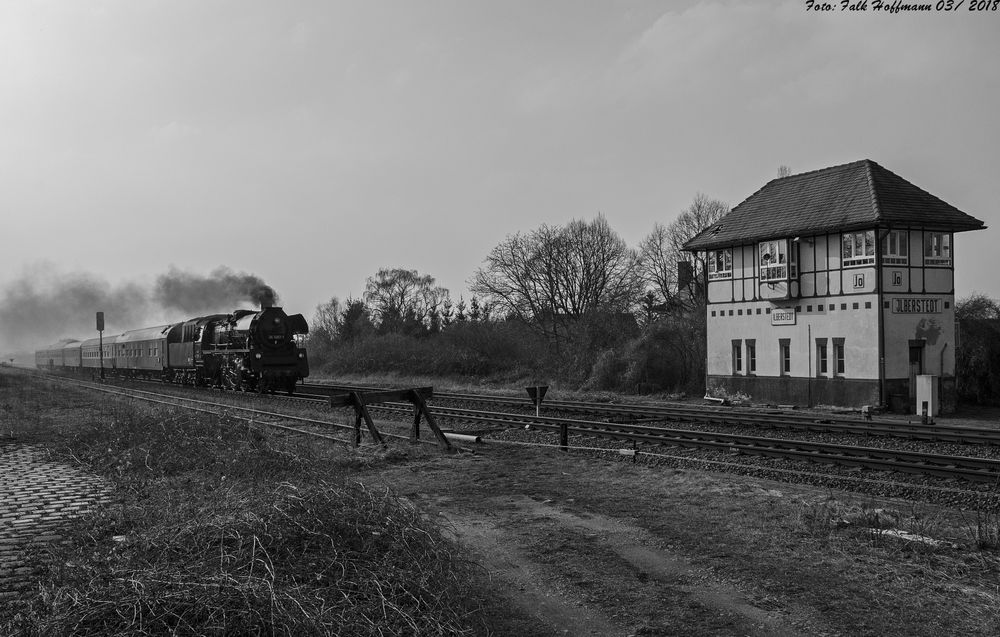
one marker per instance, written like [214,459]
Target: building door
[916,368]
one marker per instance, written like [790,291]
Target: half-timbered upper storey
[825,232]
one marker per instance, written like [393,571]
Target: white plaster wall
[858,328]
[937,328]
[939,280]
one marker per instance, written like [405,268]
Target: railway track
[769,419]
[970,469]
[983,470]
[315,427]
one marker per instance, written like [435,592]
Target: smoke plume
[44,305]
[198,294]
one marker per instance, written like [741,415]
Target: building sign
[783,316]
[916,306]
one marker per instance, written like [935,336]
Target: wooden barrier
[418,397]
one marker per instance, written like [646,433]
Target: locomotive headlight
[257,355]
[301,355]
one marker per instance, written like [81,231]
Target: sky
[311,143]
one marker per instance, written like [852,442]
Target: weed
[986,532]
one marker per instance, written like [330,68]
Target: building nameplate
[916,306]
[783,316]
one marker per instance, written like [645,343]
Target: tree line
[572,303]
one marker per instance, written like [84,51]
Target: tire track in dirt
[525,581]
[634,545]
[530,583]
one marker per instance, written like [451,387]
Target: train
[246,350]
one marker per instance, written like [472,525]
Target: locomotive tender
[245,350]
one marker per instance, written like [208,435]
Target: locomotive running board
[418,396]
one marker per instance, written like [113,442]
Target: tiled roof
[858,195]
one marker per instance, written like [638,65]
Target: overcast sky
[312,143]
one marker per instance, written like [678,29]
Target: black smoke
[44,305]
[196,294]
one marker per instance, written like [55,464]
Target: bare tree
[398,297]
[662,249]
[554,275]
[784,171]
[326,321]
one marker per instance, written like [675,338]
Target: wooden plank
[362,410]
[418,400]
[372,397]
[415,431]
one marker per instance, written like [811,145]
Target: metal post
[100,344]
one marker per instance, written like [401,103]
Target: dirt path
[527,584]
[539,591]
[568,545]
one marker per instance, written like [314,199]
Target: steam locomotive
[245,350]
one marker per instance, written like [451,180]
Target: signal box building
[833,287]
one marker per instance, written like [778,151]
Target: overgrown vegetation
[569,305]
[978,359]
[217,528]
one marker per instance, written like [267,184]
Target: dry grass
[222,529]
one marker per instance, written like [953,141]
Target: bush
[668,356]
[978,361]
[464,349]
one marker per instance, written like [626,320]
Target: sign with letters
[783,316]
[919,305]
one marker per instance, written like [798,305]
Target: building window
[737,357]
[785,356]
[858,248]
[895,249]
[838,357]
[937,248]
[777,260]
[822,363]
[720,264]
[751,356]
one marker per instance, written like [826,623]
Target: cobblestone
[36,496]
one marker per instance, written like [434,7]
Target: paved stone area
[37,496]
